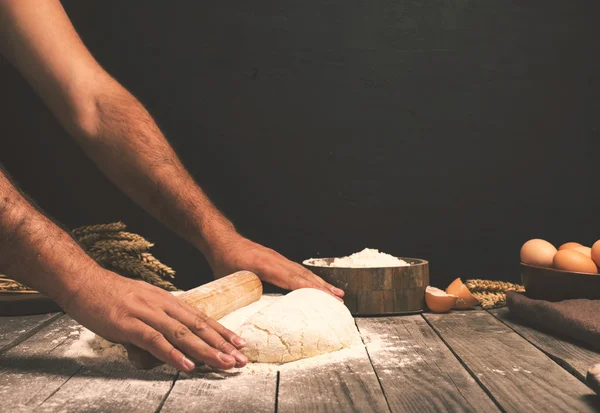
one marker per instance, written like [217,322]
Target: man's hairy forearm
[127,145]
[36,252]
[107,121]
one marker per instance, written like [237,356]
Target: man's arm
[35,251]
[119,135]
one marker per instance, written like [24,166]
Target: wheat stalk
[7,284]
[155,265]
[133,269]
[113,248]
[489,300]
[145,259]
[493,286]
[111,245]
[89,229]
[90,239]
[492,294]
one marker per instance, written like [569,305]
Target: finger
[229,335]
[313,281]
[324,285]
[222,331]
[202,326]
[141,358]
[293,276]
[304,278]
[156,344]
[190,343]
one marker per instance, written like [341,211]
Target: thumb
[141,358]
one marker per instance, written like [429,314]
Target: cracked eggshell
[465,298]
[438,301]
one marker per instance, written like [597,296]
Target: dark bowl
[551,284]
[378,291]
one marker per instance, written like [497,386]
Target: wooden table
[462,361]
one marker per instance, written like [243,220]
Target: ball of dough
[304,323]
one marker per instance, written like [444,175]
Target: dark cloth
[578,319]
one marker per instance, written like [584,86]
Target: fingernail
[189,364]
[225,358]
[241,359]
[239,342]
[337,291]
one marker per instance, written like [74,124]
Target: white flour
[91,349]
[367,258]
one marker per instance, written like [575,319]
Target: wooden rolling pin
[593,378]
[215,299]
[225,295]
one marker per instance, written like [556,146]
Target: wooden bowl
[378,291]
[551,284]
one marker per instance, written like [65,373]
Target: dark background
[449,130]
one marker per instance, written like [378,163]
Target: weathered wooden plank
[417,371]
[38,374]
[517,375]
[13,330]
[112,387]
[341,385]
[575,358]
[219,391]
[31,371]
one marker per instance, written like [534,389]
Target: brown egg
[438,301]
[465,298]
[596,253]
[571,260]
[538,252]
[587,251]
[569,245]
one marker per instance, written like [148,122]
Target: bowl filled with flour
[376,283]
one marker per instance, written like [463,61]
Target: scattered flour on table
[93,349]
[367,258]
[393,352]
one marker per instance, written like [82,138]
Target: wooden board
[517,375]
[13,330]
[37,374]
[575,358]
[16,303]
[226,392]
[478,364]
[417,371]
[347,385]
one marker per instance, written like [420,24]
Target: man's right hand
[133,312]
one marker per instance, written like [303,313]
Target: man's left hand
[239,253]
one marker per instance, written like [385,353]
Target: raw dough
[304,323]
